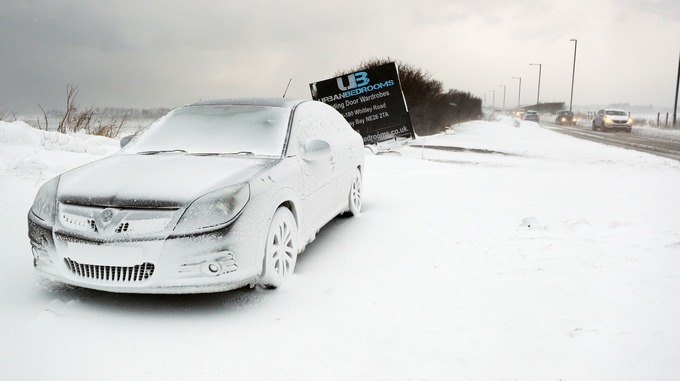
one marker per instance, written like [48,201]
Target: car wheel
[594,126]
[354,197]
[281,249]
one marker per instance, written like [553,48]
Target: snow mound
[30,153]
[19,134]
[79,143]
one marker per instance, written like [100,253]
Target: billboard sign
[370,100]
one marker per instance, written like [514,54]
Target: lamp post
[503,86]
[538,94]
[677,88]
[573,73]
[519,93]
[493,107]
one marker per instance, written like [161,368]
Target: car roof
[270,102]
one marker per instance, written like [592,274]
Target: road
[642,139]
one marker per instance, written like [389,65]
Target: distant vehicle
[612,120]
[532,116]
[565,117]
[213,196]
[518,112]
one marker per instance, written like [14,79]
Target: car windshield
[216,129]
[616,112]
[566,113]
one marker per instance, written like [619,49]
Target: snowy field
[504,254]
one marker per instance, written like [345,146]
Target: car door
[319,174]
[344,143]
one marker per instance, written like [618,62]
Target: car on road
[565,117]
[213,196]
[612,120]
[531,115]
[517,113]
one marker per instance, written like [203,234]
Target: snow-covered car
[565,117]
[518,112]
[214,196]
[612,120]
[532,116]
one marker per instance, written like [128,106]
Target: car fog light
[224,263]
[213,267]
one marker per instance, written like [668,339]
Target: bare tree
[45,116]
[71,108]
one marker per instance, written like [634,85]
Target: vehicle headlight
[45,203]
[629,122]
[214,210]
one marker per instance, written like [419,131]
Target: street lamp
[538,94]
[519,93]
[494,100]
[503,96]
[573,72]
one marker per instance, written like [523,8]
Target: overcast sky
[165,53]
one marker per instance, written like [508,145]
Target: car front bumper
[617,126]
[208,262]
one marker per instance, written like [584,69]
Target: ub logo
[358,79]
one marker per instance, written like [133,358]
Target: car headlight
[45,203]
[629,122]
[214,210]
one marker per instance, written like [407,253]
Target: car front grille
[114,274]
[87,220]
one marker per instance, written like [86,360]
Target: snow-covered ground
[520,254]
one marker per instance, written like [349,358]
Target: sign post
[371,101]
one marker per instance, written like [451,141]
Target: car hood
[163,180]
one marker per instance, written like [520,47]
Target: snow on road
[515,253]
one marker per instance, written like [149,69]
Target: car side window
[310,122]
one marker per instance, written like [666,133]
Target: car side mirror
[316,149]
[125,140]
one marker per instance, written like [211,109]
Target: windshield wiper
[223,153]
[161,151]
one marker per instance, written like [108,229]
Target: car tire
[354,197]
[281,249]
[594,126]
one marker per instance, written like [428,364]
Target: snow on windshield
[217,129]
